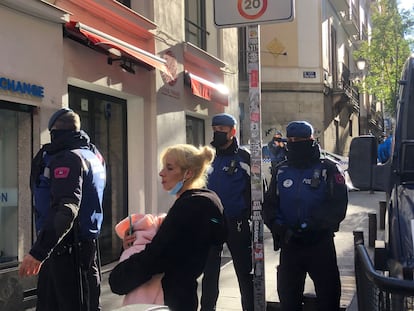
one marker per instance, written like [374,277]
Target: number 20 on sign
[251,9]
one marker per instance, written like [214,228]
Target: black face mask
[302,151]
[56,135]
[219,139]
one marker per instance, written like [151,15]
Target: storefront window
[8,185]
[195,131]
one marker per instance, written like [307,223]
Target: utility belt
[69,248]
[306,238]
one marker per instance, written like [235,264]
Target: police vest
[301,192]
[94,180]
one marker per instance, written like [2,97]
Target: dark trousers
[239,244]
[61,280]
[180,294]
[319,261]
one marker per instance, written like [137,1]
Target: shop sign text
[20,87]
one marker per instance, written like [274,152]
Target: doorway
[104,119]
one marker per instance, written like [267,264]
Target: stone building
[308,72]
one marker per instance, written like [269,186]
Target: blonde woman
[193,224]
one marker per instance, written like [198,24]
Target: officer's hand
[276,241]
[128,240]
[284,233]
[279,229]
[30,266]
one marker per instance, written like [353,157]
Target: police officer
[230,179]
[277,149]
[68,179]
[306,201]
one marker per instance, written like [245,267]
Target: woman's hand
[128,239]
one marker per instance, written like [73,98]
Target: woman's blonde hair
[191,158]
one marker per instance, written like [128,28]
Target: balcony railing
[340,5]
[345,88]
[350,92]
[351,21]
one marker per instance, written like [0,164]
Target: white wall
[32,52]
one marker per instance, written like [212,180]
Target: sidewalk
[361,203]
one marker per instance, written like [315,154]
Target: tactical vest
[94,180]
[301,191]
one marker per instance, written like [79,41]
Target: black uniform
[230,179]
[68,179]
[179,250]
[306,201]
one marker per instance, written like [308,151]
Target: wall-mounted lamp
[126,65]
[110,60]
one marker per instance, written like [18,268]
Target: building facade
[142,75]
[309,73]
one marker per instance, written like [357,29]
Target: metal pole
[253,67]
[372,229]
[382,211]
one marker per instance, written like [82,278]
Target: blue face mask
[178,186]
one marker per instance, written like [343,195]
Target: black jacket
[75,187]
[179,250]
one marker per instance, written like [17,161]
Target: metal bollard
[372,229]
[382,210]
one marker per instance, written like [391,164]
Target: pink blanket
[144,228]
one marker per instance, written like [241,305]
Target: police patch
[61,172]
[339,178]
[287,183]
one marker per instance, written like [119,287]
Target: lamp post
[361,63]
[363,124]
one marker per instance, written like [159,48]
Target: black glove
[281,230]
[278,233]
[276,241]
[282,234]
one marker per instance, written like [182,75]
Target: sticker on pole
[233,13]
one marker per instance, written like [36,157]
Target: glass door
[103,118]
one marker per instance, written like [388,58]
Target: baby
[144,227]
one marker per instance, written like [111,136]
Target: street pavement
[361,204]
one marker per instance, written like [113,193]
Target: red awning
[114,45]
[207,89]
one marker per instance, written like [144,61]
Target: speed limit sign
[233,13]
[251,9]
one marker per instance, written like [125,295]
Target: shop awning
[206,89]
[115,46]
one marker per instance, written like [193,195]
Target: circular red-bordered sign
[249,5]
